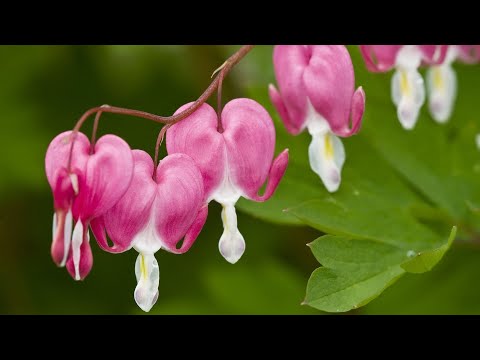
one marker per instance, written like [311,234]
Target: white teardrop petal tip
[327,156]
[231,246]
[407,114]
[232,243]
[77,239]
[408,94]
[67,236]
[148,278]
[442,88]
[477,141]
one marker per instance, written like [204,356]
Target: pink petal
[57,249]
[277,171]
[358,108]
[433,54]
[132,212]
[380,58]
[250,139]
[56,161]
[180,196]
[108,174]
[469,54]
[289,63]
[277,101]
[193,232]
[329,82]
[86,257]
[197,136]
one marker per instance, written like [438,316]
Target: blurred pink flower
[317,91]
[96,180]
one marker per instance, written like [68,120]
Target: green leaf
[333,291]
[356,271]
[425,261]
[450,288]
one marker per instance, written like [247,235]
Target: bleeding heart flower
[159,209]
[234,160]
[407,88]
[316,91]
[442,80]
[96,180]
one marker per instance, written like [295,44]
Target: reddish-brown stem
[160,137]
[229,64]
[94,131]
[221,76]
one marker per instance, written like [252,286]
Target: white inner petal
[409,57]
[67,236]
[442,89]
[408,94]
[326,152]
[232,243]
[477,141]
[227,192]
[54,228]
[148,278]
[77,239]
[327,156]
[147,240]
[74,181]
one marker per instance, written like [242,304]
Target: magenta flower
[234,160]
[96,180]
[160,208]
[442,80]
[317,91]
[407,88]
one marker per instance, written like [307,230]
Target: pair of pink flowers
[120,193]
[407,87]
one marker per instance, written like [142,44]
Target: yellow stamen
[404,84]
[438,79]
[328,146]
[224,218]
[143,268]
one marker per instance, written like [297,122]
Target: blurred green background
[43,92]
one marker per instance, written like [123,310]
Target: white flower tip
[144,300]
[442,88]
[327,156]
[231,246]
[477,141]
[332,180]
[77,239]
[148,277]
[407,115]
[74,181]
[438,111]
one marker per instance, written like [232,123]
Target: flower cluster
[122,195]
[129,201]
[408,89]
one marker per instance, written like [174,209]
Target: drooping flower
[235,159]
[442,80]
[407,88]
[96,180]
[160,208]
[317,91]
